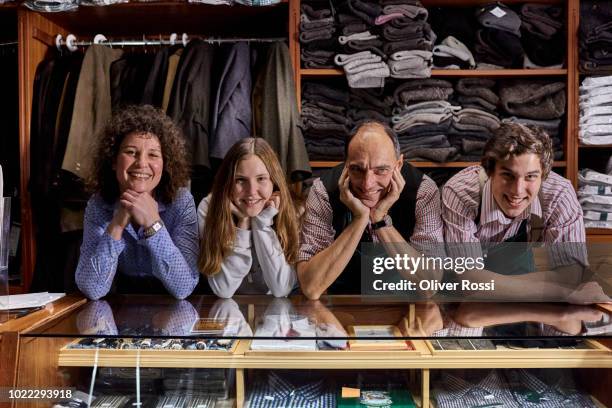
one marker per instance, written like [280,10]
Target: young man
[514,197]
[371,197]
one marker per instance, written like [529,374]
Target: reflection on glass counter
[327,323]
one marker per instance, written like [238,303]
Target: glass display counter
[260,351]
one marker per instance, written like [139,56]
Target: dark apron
[514,256]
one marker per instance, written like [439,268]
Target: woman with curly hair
[140,229]
[249,225]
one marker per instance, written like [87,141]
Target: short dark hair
[144,119]
[514,139]
[368,123]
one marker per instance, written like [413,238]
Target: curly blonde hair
[145,120]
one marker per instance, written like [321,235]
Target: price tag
[497,12]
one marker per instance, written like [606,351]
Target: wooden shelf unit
[594,235]
[569,74]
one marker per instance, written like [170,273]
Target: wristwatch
[150,231]
[385,222]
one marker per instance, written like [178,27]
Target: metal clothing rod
[72,44]
[131,43]
[8,43]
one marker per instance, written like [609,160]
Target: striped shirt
[318,232]
[556,204]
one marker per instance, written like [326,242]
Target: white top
[256,264]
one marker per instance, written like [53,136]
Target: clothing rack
[71,42]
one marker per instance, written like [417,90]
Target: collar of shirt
[490,211]
[282,389]
[559,394]
[532,382]
[491,384]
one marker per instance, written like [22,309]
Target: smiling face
[253,186]
[371,160]
[515,183]
[139,163]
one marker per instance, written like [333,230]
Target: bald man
[371,197]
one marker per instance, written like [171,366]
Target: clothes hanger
[99,39]
[58,43]
[70,43]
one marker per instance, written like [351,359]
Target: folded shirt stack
[363,69]
[422,118]
[509,388]
[453,54]
[198,382]
[498,39]
[595,36]
[477,93]
[470,130]
[382,39]
[451,121]
[533,99]
[473,125]
[542,35]
[291,390]
[421,90]
[408,38]
[410,64]
[422,128]
[596,111]
[318,35]
[324,121]
[595,196]
[370,104]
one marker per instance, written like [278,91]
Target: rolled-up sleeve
[317,232]
[428,228]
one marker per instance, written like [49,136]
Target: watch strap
[153,229]
[385,222]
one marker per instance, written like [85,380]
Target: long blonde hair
[219,233]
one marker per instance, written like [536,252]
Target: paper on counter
[28,300]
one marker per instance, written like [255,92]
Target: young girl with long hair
[249,225]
